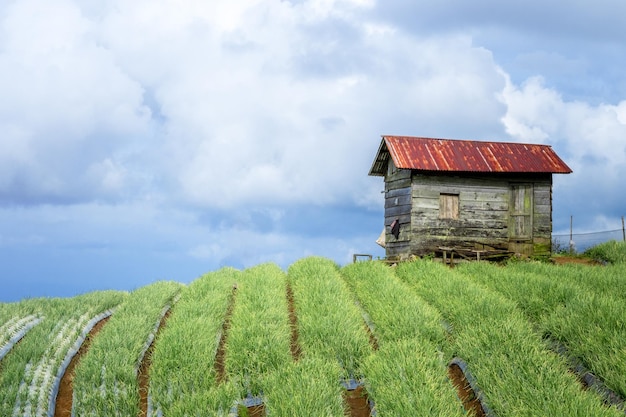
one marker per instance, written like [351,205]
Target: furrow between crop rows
[296,350]
[145,361]
[63,402]
[143,376]
[220,354]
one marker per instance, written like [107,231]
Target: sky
[145,140]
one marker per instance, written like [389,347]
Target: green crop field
[531,338]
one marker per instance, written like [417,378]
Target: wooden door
[521,212]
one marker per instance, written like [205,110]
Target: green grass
[611,251]
[259,337]
[329,323]
[307,388]
[395,312]
[421,313]
[407,375]
[31,370]
[183,361]
[408,378]
[569,308]
[14,328]
[603,280]
[105,382]
[517,373]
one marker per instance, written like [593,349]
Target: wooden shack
[468,197]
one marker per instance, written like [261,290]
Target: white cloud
[584,132]
[65,102]
[224,132]
[262,102]
[591,139]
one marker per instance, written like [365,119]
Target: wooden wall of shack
[486,212]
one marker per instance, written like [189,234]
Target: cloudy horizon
[161,140]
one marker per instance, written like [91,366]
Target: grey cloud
[585,36]
[599,20]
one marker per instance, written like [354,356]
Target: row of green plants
[330,325]
[517,373]
[568,307]
[106,380]
[259,335]
[30,374]
[406,376]
[183,378]
[14,329]
[16,319]
[331,333]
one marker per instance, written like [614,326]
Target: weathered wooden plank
[397,248]
[461,185]
[394,174]
[483,215]
[459,233]
[466,216]
[432,244]
[484,205]
[399,183]
[400,200]
[425,192]
[397,210]
[426,203]
[543,201]
[456,225]
[500,196]
[398,192]
[466,194]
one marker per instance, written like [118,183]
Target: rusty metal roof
[451,155]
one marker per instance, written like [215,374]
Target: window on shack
[449,206]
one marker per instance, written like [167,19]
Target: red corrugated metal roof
[429,154]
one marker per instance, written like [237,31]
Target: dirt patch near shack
[63,407]
[562,260]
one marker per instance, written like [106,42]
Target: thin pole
[623,229]
[571,240]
